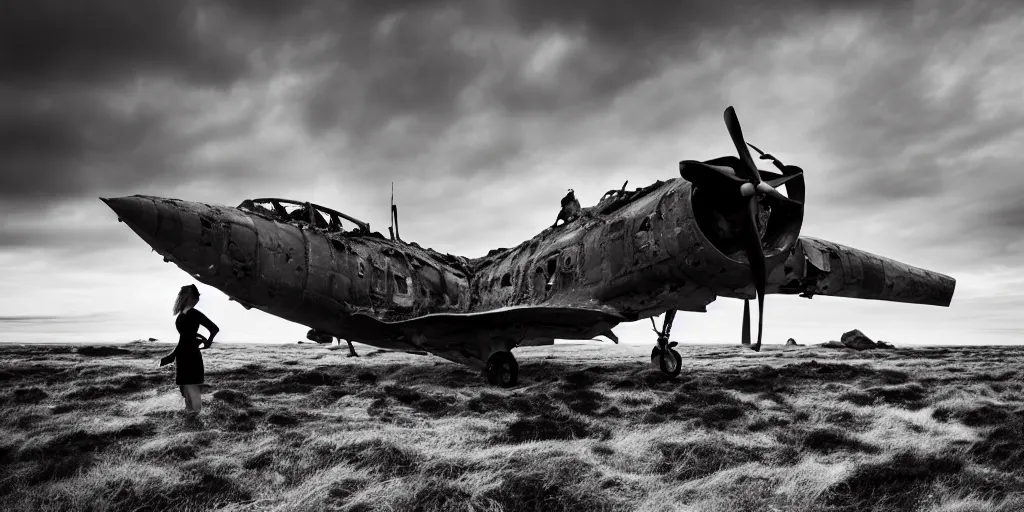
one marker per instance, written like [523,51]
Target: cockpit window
[303,214]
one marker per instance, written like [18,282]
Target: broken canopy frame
[278,212]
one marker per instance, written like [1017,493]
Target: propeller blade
[713,179]
[765,156]
[745,337]
[733,124]
[760,316]
[755,255]
[778,182]
[779,196]
[692,170]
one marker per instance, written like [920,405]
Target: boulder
[833,344]
[792,343]
[885,344]
[857,340]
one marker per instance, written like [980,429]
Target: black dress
[189,361]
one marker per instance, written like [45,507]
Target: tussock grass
[590,427]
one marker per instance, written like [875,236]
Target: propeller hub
[764,188]
[747,189]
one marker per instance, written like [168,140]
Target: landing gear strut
[502,370]
[351,349]
[663,356]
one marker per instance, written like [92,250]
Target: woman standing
[188,360]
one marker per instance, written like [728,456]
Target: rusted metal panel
[401,285]
[243,251]
[340,287]
[593,258]
[816,253]
[615,250]
[317,272]
[873,272]
[321,252]
[281,262]
[169,230]
[379,298]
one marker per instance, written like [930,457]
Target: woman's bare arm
[210,326]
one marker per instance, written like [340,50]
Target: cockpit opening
[304,214]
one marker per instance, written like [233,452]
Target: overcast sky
[904,115]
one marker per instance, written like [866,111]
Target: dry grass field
[590,427]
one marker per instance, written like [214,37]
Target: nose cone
[138,213]
[191,235]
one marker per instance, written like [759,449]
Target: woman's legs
[193,400]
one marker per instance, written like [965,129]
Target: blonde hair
[187,299]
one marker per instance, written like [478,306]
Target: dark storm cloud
[65,129]
[42,140]
[391,77]
[902,135]
[54,42]
[388,77]
[418,69]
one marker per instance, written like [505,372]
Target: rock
[153,339]
[833,344]
[792,343]
[857,340]
[885,344]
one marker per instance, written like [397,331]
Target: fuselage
[638,258]
[638,253]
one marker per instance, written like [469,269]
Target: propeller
[721,178]
[751,239]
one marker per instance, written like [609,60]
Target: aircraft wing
[464,337]
[820,267]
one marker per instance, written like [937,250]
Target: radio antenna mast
[394,216]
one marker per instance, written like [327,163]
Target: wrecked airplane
[721,230]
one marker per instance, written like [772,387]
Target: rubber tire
[656,361]
[495,376]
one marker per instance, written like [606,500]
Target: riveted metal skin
[632,256]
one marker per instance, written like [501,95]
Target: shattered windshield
[303,214]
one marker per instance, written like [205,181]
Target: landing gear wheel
[502,370]
[671,363]
[663,357]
